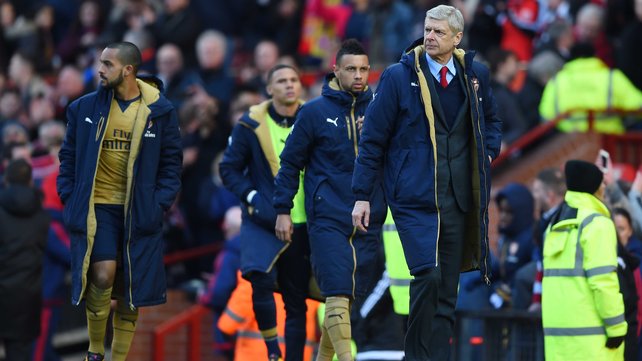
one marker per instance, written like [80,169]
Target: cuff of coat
[280,210]
[360,196]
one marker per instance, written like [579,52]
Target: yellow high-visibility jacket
[581,300]
[397,267]
[588,83]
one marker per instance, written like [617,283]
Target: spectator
[83,32]
[519,26]
[627,272]
[624,228]
[69,87]
[582,308]
[558,38]
[390,32]
[211,53]
[504,66]
[548,190]
[223,280]
[540,70]
[586,82]
[144,40]
[22,73]
[57,259]
[177,79]
[266,56]
[24,227]
[11,107]
[589,28]
[628,57]
[515,245]
[178,24]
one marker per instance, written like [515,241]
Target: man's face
[540,195]
[352,72]
[505,214]
[111,70]
[285,87]
[168,61]
[623,228]
[439,40]
[211,54]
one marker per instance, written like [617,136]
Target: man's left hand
[361,215]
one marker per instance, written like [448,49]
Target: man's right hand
[361,215]
[284,227]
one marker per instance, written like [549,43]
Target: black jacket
[23,235]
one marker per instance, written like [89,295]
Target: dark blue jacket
[324,141]
[516,239]
[153,180]
[250,163]
[399,138]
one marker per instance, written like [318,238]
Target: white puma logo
[412,83]
[88,120]
[333,121]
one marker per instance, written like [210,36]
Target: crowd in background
[213,57]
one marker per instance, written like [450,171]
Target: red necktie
[444,80]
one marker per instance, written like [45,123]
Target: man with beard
[120,169]
[324,142]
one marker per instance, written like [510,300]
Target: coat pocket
[147,212]
[415,181]
[262,212]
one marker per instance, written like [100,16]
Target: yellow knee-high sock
[98,304]
[124,323]
[326,350]
[337,323]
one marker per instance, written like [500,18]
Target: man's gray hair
[446,12]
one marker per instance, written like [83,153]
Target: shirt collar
[435,67]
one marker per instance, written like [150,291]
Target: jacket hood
[417,48]
[331,89]
[21,201]
[521,202]
[151,89]
[257,113]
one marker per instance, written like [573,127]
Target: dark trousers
[292,272]
[18,350]
[433,292]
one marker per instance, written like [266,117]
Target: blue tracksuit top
[324,141]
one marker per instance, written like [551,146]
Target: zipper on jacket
[348,127]
[483,169]
[353,126]
[129,239]
[354,259]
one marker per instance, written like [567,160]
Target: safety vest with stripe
[397,267]
[581,300]
[238,319]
